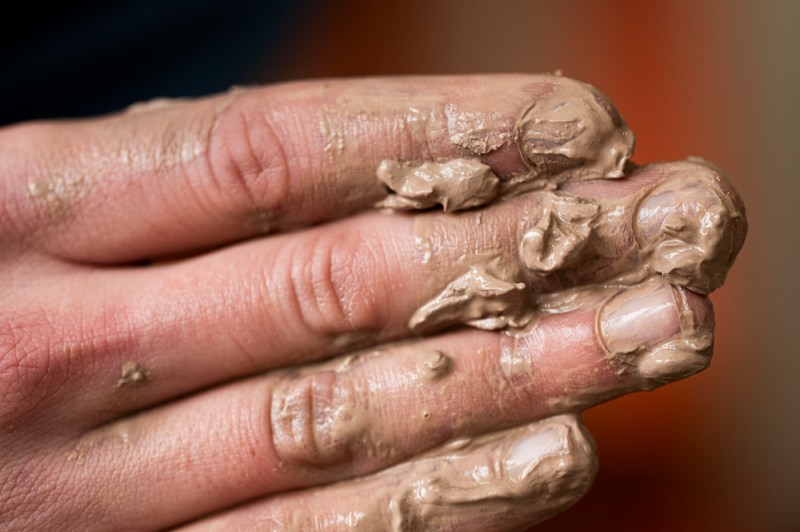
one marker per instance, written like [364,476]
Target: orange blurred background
[712,78]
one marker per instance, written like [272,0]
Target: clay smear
[498,481]
[487,297]
[434,366]
[560,235]
[569,132]
[522,475]
[575,133]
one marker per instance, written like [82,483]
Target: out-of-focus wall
[716,78]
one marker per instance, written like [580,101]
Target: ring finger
[301,428]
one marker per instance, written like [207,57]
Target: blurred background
[715,78]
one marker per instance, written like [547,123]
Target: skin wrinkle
[279,178]
[255,177]
[375,259]
[59,348]
[32,494]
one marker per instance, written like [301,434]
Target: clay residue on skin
[574,132]
[149,145]
[577,245]
[569,132]
[354,339]
[332,134]
[489,296]
[479,132]
[58,193]
[132,373]
[317,422]
[497,481]
[692,227]
[455,185]
[560,234]
[120,433]
[154,104]
[143,145]
[343,119]
[679,221]
[512,362]
[682,356]
[434,365]
[664,360]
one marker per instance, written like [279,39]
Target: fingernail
[691,351]
[667,364]
[668,330]
[687,230]
[640,317]
[529,451]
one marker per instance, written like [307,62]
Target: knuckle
[248,166]
[312,420]
[337,284]
[517,364]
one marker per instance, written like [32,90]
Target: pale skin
[163,271]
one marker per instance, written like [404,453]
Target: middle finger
[290,299]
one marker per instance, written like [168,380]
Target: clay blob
[455,185]
[574,133]
[486,297]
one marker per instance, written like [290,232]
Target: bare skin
[206,324]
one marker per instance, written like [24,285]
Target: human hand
[156,344]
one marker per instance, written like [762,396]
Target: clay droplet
[434,365]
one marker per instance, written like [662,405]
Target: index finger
[170,177]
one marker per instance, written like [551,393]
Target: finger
[503,481]
[359,415]
[149,335]
[167,178]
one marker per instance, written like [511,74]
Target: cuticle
[598,324]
